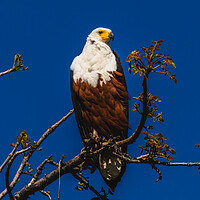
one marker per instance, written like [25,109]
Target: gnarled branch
[29,154]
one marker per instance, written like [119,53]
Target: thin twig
[159,72]
[50,130]
[51,162]
[59,170]
[6,72]
[17,66]
[40,169]
[82,180]
[45,193]
[143,160]
[9,189]
[12,152]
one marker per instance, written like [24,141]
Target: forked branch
[17,66]
[32,149]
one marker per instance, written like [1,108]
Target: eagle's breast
[92,62]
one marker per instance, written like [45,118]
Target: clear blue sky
[49,34]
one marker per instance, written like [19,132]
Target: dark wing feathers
[123,81]
[78,111]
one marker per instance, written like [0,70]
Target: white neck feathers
[96,59]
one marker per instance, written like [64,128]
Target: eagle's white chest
[96,59]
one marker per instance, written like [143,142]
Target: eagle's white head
[96,59]
[101,35]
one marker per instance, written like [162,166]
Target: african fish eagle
[100,100]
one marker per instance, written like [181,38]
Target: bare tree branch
[12,152]
[7,72]
[40,169]
[82,180]
[46,193]
[29,154]
[8,170]
[17,66]
[50,130]
[68,167]
[40,184]
[144,160]
[59,167]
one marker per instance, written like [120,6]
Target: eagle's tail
[111,168]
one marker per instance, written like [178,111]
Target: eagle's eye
[100,32]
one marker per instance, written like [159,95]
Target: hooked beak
[111,36]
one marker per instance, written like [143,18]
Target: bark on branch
[143,160]
[68,167]
[29,154]
[40,184]
[17,66]
[12,152]
[71,165]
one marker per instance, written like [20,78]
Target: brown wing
[102,108]
[78,108]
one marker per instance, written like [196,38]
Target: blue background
[49,34]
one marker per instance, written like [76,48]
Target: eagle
[100,99]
